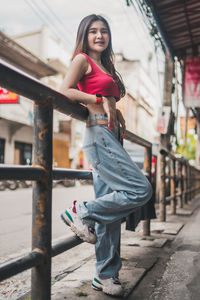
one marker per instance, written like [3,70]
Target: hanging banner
[8,97]
[192,82]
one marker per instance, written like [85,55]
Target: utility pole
[165,138]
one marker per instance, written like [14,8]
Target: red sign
[8,97]
[192,82]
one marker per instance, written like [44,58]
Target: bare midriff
[98,109]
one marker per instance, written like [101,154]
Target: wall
[140,105]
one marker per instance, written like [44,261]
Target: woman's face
[98,37]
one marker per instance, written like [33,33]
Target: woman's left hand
[121,120]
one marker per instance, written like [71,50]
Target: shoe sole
[68,222]
[102,289]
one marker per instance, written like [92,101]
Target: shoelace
[116,280]
[92,230]
[74,207]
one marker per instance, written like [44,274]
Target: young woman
[119,185]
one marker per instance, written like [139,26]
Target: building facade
[140,104]
[45,58]
[16,119]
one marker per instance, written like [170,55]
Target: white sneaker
[109,286]
[71,219]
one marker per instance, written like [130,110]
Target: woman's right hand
[109,106]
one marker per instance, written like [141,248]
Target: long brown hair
[107,56]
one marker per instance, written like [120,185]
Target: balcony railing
[41,173]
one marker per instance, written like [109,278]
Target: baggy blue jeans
[119,186]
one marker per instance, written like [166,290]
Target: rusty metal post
[42,202]
[196,182]
[190,182]
[182,184]
[167,174]
[185,182]
[173,186]
[180,197]
[162,188]
[147,171]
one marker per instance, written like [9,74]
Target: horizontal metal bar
[17,172]
[65,245]
[44,95]
[61,173]
[137,140]
[179,194]
[182,159]
[38,92]
[68,244]
[169,198]
[171,156]
[19,265]
[195,189]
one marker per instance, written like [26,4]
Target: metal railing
[42,174]
[179,182]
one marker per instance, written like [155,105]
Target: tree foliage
[189,151]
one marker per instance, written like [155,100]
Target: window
[2,150]
[23,153]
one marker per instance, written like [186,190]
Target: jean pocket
[92,154]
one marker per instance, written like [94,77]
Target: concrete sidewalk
[152,266]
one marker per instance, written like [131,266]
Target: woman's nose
[99,34]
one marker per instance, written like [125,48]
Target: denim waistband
[97,117]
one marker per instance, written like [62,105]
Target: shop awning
[179,24]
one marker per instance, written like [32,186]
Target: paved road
[181,279]
[16,210]
[176,275]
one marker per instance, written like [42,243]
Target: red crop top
[98,82]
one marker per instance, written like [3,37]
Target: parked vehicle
[10,184]
[24,183]
[14,184]
[66,182]
[86,181]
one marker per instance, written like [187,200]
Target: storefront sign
[192,82]
[8,97]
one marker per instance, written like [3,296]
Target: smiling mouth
[99,43]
